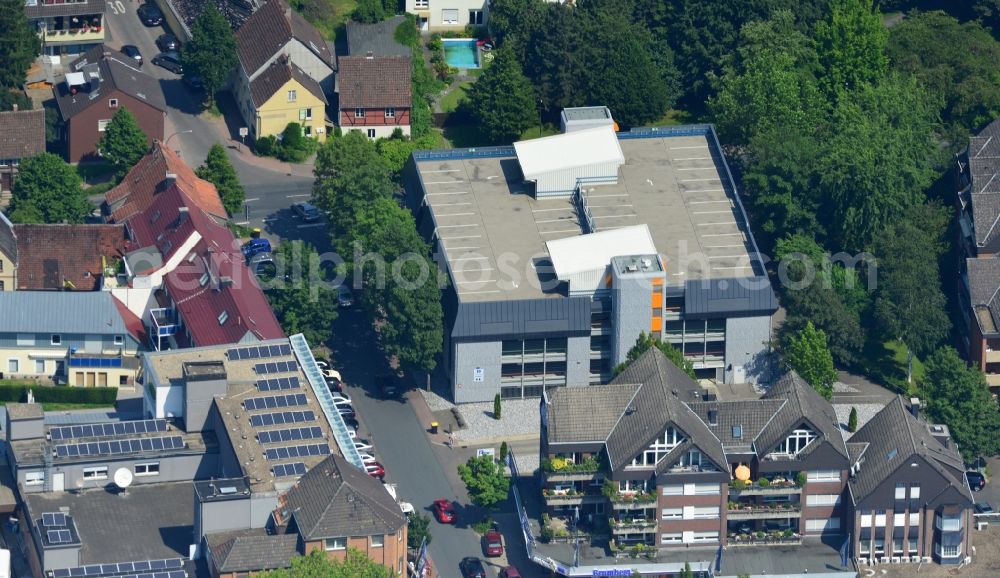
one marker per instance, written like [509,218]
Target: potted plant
[800,479]
[763,482]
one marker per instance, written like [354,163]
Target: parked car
[367,458]
[322,364]
[363,445]
[386,385]
[307,211]
[253,246]
[150,15]
[509,572]
[346,412]
[984,508]
[493,544]
[335,386]
[329,374]
[345,297]
[444,511]
[472,568]
[168,43]
[375,470]
[171,61]
[341,399]
[133,53]
[977,481]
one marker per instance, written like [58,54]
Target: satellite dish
[123,478]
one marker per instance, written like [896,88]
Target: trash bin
[434,427]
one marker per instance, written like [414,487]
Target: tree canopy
[19,44]
[318,565]
[488,485]
[211,53]
[47,190]
[645,342]
[123,143]
[851,44]
[957,395]
[300,293]
[808,354]
[219,171]
[502,100]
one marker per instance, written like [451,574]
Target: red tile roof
[378,82]
[147,178]
[134,324]
[22,133]
[66,256]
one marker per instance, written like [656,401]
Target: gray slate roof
[378,38]
[579,414]
[522,317]
[803,404]
[115,72]
[984,166]
[336,499]
[984,285]
[8,242]
[252,550]
[63,312]
[726,297]
[656,406]
[270,29]
[43,10]
[25,411]
[894,436]
[750,415]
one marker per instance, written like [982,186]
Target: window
[399,536]
[823,500]
[39,366]
[308,130]
[693,461]
[865,547]
[306,114]
[823,525]
[706,537]
[823,476]
[476,17]
[34,478]
[148,469]
[897,545]
[948,551]
[113,102]
[390,113]
[95,473]
[102,125]
[119,340]
[378,540]
[122,380]
[13,366]
[915,492]
[706,489]
[204,279]
[292,96]
[449,16]
[56,339]
[911,544]
[1,260]
[949,523]
[359,113]
[422,4]
[915,518]
[223,316]
[672,490]
[336,544]
[880,545]
[371,133]
[672,538]
[797,441]
[901,491]
[672,513]
[26,339]
[706,512]
[659,449]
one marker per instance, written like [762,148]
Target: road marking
[455,215]
[554,220]
[444,171]
[559,209]
[692,147]
[721,246]
[251,200]
[470,259]
[560,231]
[709,212]
[311,226]
[706,191]
[299,196]
[724,234]
[711,224]
[699,180]
[614,216]
[694,159]
[456,226]
[444,182]
[706,202]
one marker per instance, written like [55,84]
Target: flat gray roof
[587,113]
[493,233]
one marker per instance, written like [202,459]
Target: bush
[59,394]
[763,482]
[496,406]
[852,420]
[484,525]
[292,136]
[504,450]
[800,479]
[267,146]
[435,44]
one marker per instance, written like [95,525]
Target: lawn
[72,406]
[467,135]
[450,101]
[672,117]
[885,363]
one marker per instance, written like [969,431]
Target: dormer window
[113,103]
[659,449]
[798,440]
[693,461]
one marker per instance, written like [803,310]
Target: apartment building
[437,15]
[562,250]
[67,28]
[666,472]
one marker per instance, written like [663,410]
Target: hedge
[59,394]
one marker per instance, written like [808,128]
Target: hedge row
[59,394]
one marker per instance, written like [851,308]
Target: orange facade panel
[656,324]
[657,300]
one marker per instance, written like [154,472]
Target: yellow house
[280,95]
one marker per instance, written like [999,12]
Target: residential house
[85,339]
[671,469]
[910,500]
[375,94]
[8,254]
[276,32]
[153,174]
[66,257]
[180,15]
[241,552]
[22,136]
[96,86]
[437,15]
[67,28]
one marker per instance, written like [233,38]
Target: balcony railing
[738,511]
[770,488]
[569,497]
[632,526]
[629,501]
[779,538]
[560,466]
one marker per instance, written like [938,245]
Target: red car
[510,572]
[493,544]
[444,511]
[375,470]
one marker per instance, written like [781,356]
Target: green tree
[19,44]
[418,529]
[645,342]
[808,354]
[11,97]
[686,572]
[317,565]
[395,151]
[485,480]
[504,451]
[852,420]
[503,101]
[496,406]
[512,23]
[211,53]
[909,303]
[957,395]
[300,294]
[123,142]
[219,171]
[851,44]
[369,11]
[47,190]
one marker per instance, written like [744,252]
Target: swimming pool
[461,52]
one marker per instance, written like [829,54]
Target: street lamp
[167,142]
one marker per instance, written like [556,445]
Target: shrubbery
[292,147]
[59,394]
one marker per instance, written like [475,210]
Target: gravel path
[520,418]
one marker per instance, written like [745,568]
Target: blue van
[255,246]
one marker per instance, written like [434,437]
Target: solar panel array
[159,574]
[276,367]
[302,451]
[275,401]
[108,429]
[91,570]
[59,536]
[292,469]
[288,435]
[115,447]
[259,352]
[281,418]
[54,520]
[278,383]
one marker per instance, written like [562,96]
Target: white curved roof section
[573,256]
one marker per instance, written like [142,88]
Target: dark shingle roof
[8,242]
[113,71]
[579,414]
[22,133]
[749,415]
[657,404]
[984,286]
[804,404]
[378,38]
[270,29]
[252,550]
[984,172]
[377,82]
[44,10]
[52,255]
[336,499]
[280,72]
[894,436]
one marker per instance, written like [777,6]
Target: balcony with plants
[784,537]
[73,28]
[750,510]
[569,496]
[624,524]
[559,468]
[778,485]
[630,499]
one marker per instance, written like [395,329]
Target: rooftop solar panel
[120,447]
[107,429]
[292,434]
[292,469]
[54,520]
[281,418]
[297,451]
[275,401]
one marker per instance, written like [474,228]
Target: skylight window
[223,316]
[204,280]
[738,432]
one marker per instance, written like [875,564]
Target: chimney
[370,55]
[915,406]
[225,282]
[169,179]
[14,107]
[182,215]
